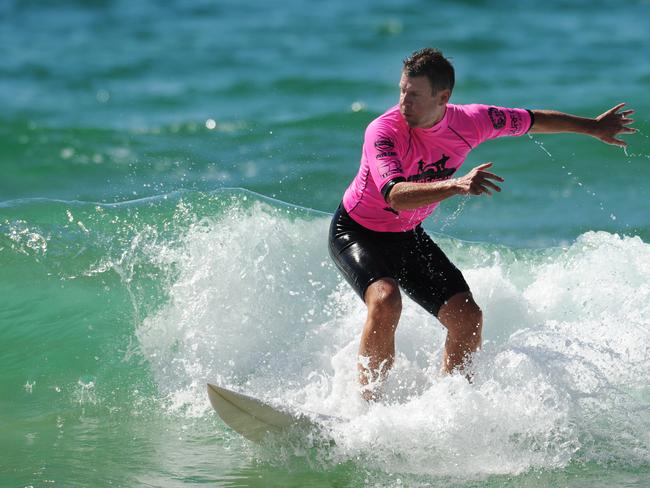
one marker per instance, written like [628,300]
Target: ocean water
[169,169]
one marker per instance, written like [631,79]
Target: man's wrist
[455,186]
[591,126]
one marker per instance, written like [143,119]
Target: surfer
[409,159]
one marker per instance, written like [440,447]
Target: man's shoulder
[466,109]
[390,121]
[467,118]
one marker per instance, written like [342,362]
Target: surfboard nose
[248,416]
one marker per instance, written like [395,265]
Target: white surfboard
[253,418]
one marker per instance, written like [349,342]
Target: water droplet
[103,96]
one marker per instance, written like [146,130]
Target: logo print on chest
[433,171]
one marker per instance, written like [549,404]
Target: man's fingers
[612,111]
[619,142]
[615,142]
[616,108]
[625,113]
[487,174]
[480,180]
[485,186]
[479,189]
[491,185]
[483,166]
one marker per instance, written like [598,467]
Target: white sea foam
[563,376]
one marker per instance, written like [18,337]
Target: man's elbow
[390,192]
[395,200]
[393,203]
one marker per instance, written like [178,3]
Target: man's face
[418,105]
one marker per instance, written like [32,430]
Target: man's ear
[443,96]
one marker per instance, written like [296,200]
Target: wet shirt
[394,152]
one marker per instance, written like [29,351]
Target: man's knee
[463,317]
[383,299]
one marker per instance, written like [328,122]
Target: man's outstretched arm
[605,127]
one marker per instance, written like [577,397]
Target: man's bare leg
[464,322]
[384,304]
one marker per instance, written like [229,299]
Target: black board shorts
[411,258]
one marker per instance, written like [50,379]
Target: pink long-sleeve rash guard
[394,152]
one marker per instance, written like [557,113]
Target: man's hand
[477,181]
[612,123]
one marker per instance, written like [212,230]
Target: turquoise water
[168,173]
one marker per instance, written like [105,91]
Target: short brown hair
[431,63]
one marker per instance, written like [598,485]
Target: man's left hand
[610,124]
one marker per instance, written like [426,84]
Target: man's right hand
[478,181]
